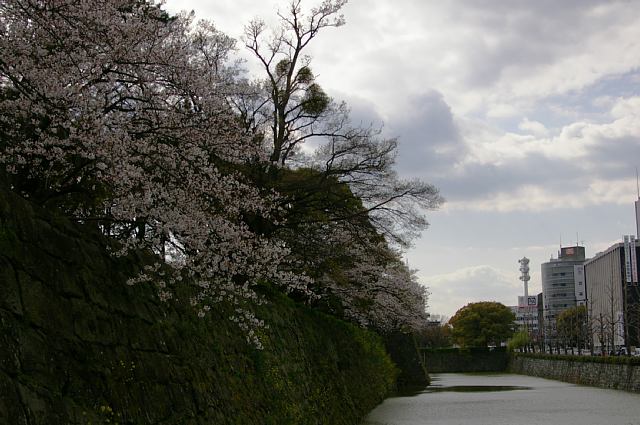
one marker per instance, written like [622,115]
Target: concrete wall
[604,375]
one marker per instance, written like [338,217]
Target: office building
[526,319]
[563,286]
[614,296]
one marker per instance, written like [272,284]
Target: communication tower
[524,277]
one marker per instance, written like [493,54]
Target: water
[503,399]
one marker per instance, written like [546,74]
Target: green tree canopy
[572,325]
[520,339]
[435,336]
[482,323]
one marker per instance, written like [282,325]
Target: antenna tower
[524,277]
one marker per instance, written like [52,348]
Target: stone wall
[79,346]
[594,373]
[404,352]
[452,360]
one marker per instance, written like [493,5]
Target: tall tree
[287,108]
[115,113]
[573,327]
[482,323]
[345,210]
[294,106]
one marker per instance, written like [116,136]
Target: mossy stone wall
[79,346]
[621,373]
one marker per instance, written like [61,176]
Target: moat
[507,399]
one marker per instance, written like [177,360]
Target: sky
[525,114]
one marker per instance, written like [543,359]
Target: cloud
[533,127]
[454,290]
[445,78]
[537,198]
[508,107]
[491,57]
[429,136]
[581,164]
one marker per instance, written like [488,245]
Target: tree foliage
[435,336]
[125,118]
[482,323]
[287,108]
[355,273]
[347,211]
[573,326]
[518,340]
[115,114]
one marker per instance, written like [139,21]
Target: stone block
[9,345]
[43,306]
[11,409]
[9,290]
[91,323]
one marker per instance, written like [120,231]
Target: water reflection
[474,388]
[498,399]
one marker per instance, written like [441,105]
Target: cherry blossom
[139,123]
[116,113]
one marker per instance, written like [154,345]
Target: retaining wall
[595,372]
[79,346]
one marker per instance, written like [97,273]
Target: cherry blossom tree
[123,117]
[356,274]
[378,290]
[347,186]
[115,113]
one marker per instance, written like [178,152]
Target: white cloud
[496,108]
[452,291]
[497,58]
[538,198]
[533,127]
[581,164]
[627,109]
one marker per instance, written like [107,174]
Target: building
[563,286]
[526,319]
[540,313]
[637,204]
[614,296]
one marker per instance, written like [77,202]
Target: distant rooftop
[570,253]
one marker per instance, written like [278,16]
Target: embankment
[474,359]
[620,373]
[79,346]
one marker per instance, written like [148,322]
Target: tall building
[614,296]
[540,312]
[563,286]
[637,203]
[526,319]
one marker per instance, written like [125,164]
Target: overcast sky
[526,115]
